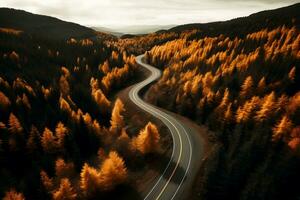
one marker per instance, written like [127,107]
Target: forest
[246,90]
[63,132]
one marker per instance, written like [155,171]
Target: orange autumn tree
[4,101]
[48,141]
[14,124]
[148,139]
[117,120]
[89,178]
[245,111]
[64,105]
[13,195]
[65,191]
[294,143]
[266,108]
[292,74]
[60,132]
[113,171]
[63,169]
[261,87]
[101,100]
[47,182]
[33,140]
[105,67]
[246,88]
[282,129]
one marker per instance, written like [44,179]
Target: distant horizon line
[114,26]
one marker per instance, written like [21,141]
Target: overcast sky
[118,13]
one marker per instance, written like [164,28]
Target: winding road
[187,152]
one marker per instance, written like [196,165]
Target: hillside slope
[42,26]
[241,79]
[244,25]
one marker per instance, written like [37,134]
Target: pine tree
[105,67]
[282,129]
[292,74]
[13,195]
[33,139]
[113,171]
[246,88]
[117,120]
[261,87]
[4,101]
[47,182]
[63,169]
[267,108]
[101,100]
[25,101]
[48,141]
[148,139]
[14,124]
[65,191]
[60,132]
[64,86]
[64,105]
[89,180]
[244,112]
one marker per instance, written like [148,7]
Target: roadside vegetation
[63,135]
[246,90]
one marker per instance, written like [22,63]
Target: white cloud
[114,13]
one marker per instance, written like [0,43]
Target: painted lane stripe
[154,111]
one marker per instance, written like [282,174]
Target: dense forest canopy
[63,134]
[245,87]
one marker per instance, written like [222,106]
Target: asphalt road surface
[176,180]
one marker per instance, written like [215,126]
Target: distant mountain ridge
[244,25]
[42,26]
[134,29]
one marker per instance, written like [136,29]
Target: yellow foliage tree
[261,87]
[113,171]
[294,143]
[282,129]
[89,180]
[64,105]
[13,195]
[65,191]
[33,139]
[4,101]
[148,139]
[292,74]
[14,124]
[101,100]
[64,86]
[105,67]
[48,141]
[60,132]
[63,169]
[244,112]
[46,180]
[266,108]
[117,120]
[246,88]
[65,71]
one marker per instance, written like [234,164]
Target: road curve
[179,173]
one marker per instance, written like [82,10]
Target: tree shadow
[162,165]
[121,192]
